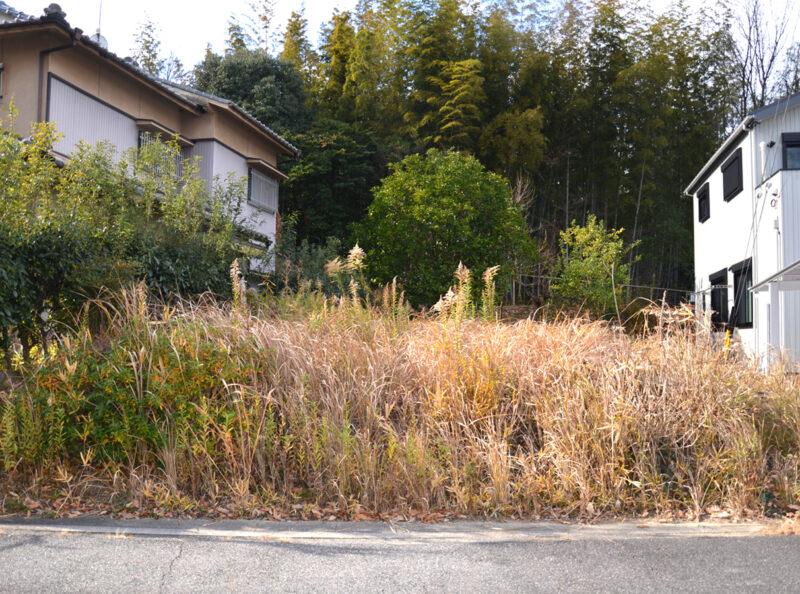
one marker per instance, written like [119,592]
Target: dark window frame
[729,192]
[789,140]
[703,204]
[719,299]
[742,317]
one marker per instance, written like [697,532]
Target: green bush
[100,221]
[299,262]
[592,268]
[435,211]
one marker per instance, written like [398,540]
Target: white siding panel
[80,117]
[790,197]
[771,130]
[227,161]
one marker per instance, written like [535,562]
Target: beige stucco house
[53,72]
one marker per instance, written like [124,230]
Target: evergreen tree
[335,51]
[329,186]
[498,52]
[513,143]
[438,35]
[459,118]
[205,72]
[296,46]
[239,39]
[268,88]
[371,70]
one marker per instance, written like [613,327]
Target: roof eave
[733,139]
[285,145]
[62,25]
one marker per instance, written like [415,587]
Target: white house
[747,233]
[52,72]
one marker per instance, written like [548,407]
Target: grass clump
[208,402]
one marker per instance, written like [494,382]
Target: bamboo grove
[600,107]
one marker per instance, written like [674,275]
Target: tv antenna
[97,38]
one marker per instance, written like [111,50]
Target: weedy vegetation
[301,401]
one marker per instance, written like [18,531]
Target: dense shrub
[435,211]
[104,220]
[592,271]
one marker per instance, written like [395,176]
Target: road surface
[93,555]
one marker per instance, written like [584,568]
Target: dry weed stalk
[333,409]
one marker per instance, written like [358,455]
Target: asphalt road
[92,555]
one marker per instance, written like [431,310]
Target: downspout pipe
[76,35]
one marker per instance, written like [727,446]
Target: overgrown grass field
[317,406]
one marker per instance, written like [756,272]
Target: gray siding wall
[80,117]
[205,150]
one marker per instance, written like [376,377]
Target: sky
[185,26]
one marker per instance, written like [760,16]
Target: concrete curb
[460,531]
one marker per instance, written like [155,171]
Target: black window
[719,298]
[732,176]
[703,207]
[742,315]
[791,150]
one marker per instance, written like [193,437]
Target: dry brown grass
[346,407]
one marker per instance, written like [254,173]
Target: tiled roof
[193,94]
[185,94]
[9,13]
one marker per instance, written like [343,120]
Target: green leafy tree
[239,38]
[329,186]
[513,142]
[434,211]
[499,56]
[268,88]
[264,11]
[592,270]
[370,86]
[437,35]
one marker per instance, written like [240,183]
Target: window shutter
[732,176]
[263,192]
[703,206]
